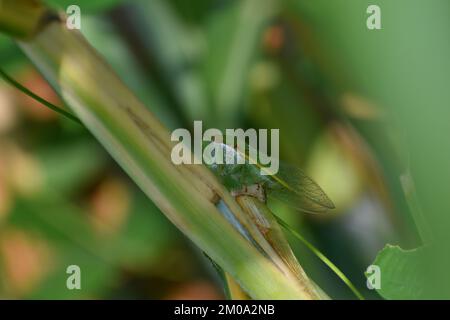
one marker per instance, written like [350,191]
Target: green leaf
[401,273]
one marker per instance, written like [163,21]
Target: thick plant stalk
[234,291]
[271,230]
[23,18]
[266,223]
[187,195]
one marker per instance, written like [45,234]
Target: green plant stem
[34,96]
[23,18]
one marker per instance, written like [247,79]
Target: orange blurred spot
[110,205]
[24,171]
[31,107]
[26,260]
[197,290]
[273,39]
[8,112]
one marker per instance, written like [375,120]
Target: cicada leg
[254,190]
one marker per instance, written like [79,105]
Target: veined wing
[293,187]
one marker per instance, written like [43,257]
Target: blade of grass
[322,257]
[34,96]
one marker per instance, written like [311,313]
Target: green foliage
[401,273]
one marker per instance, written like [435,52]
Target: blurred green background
[359,110]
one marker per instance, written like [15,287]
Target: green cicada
[289,185]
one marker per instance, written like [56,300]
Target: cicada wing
[293,187]
[296,202]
